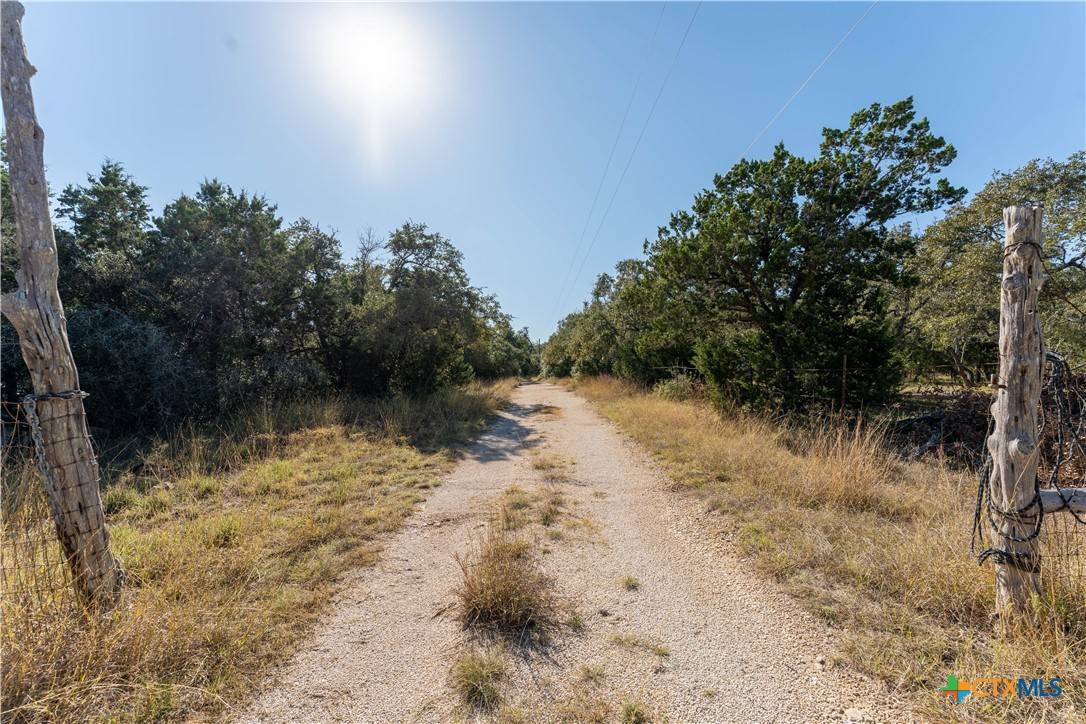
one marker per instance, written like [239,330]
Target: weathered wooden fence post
[1013,443]
[1016,503]
[36,312]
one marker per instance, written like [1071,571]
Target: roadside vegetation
[219,303]
[874,546]
[265,408]
[796,284]
[233,540]
[763,346]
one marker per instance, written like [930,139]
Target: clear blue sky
[492,122]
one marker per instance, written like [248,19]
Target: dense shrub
[14,380]
[216,304]
[135,377]
[678,388]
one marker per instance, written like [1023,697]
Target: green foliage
[950,315]
[789,274]
[100,252]
[775,280]
[217,303]
[135,377]
[9,247]
[620,331]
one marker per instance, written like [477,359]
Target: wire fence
[1063,465]
[1060,535]
[35,576]
[34,572]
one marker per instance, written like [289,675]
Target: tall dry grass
[232,539]
[503,588]
[875,547]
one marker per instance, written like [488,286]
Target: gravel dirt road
[737,650]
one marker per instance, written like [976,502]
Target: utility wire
[629,160]
[806,82]
[610,157]
[758,137]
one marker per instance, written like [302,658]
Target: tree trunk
[36,312]
[1013,443]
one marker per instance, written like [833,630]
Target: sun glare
[372,63]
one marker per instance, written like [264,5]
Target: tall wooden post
[36,312]
[1013,443]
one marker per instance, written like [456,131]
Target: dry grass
[233,540]
[475,678]
[634,712]
[876,547]
[585,708]
[507,714]
[640,643]
[504,588]
[554,468]
[592,674]
[546,505]
[552,506]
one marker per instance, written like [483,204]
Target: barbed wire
[1062,450]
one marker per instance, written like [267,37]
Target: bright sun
[372,62]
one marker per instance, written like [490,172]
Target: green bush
[215,304]
[678,388]
[135,378]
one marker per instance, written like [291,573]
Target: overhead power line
[807,81]
[611,155]
[637,143]
[644,127]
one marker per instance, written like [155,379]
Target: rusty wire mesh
[34,573]
[1062,464]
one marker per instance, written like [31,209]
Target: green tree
[317,326]
[779,267]
[101,249]
[620,331]
[9,248]
[217,303]
[951,314]
[433,310]
[227,287]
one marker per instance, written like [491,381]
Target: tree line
[789,274]
[218,302]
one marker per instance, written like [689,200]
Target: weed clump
[475,677]
[503,586]
[678,388]
[634,712]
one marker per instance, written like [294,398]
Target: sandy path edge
[738,649]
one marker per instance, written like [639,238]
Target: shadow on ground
[509,433]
